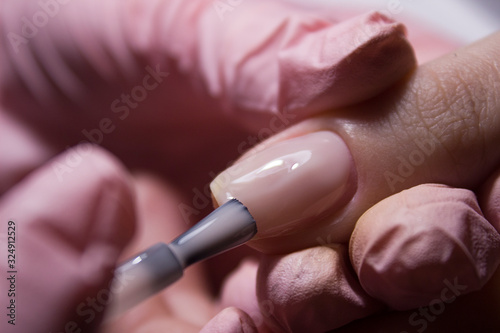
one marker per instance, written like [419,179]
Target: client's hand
[316,182]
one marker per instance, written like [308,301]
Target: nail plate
[290,183]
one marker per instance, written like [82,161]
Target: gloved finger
[311,182]
[313,290]
[290,60]
[464,311]
[68,235]
[429,242]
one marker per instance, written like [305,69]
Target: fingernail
[290,183]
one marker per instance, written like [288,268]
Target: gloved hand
[174,88]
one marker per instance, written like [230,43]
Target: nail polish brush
[162,264]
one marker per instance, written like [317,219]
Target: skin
[453,89]
[43,117]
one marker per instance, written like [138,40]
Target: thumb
[313,181]
[66,234]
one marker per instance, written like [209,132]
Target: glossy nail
[290,183]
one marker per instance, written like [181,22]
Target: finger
[469,312]
[242,65]
[69,234]
[429,242]
[441,126]
[230,320]
[188,301]
[313,290]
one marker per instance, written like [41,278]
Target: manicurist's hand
[391,204]
[67,237]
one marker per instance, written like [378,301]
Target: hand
[421,247]
[69,236]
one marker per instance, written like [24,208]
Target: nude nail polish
[289,184]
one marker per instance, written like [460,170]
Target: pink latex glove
[176,88]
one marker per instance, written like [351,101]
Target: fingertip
[312,290]
[410,247]
[300,62]
[349,62]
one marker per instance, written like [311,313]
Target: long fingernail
[289,183]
